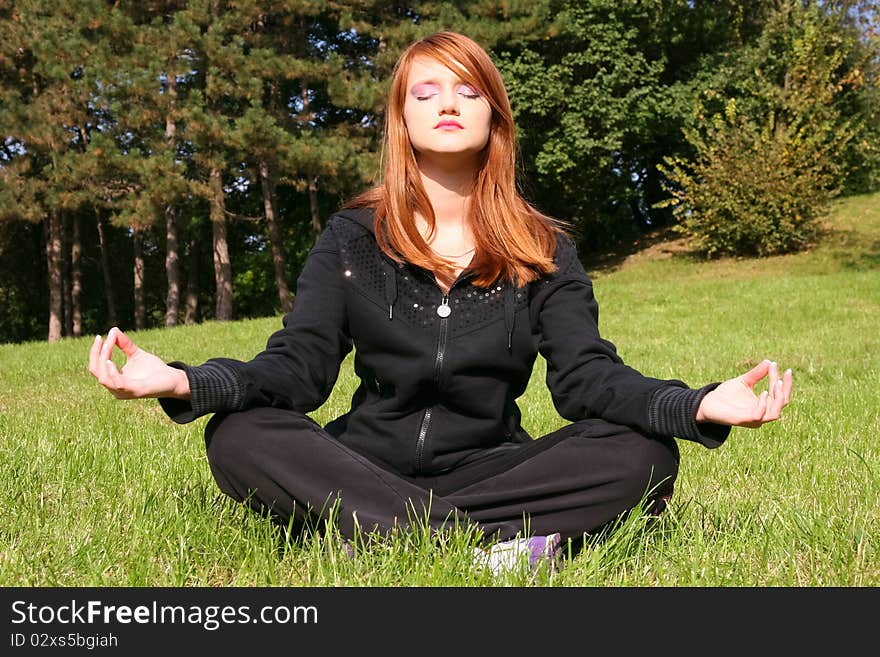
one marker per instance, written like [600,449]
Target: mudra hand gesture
[143,375]
[735,403]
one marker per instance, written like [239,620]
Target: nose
[449,102]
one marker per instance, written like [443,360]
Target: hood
[362,216]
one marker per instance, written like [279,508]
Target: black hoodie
[439,374]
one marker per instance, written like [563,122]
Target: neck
[449,184]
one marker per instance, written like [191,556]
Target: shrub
[751,190]
[761,177]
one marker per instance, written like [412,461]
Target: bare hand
[734,402]
[144,375]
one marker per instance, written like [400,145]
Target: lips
[449,125]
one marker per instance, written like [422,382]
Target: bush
[751,190]
[760,177]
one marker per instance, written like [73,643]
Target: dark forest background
[170,162]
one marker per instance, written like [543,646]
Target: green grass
[99,492]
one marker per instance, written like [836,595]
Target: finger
[787,381]
[125,343]
[780,396]
[777,401]
[773,377]
[110,372]
[757,373]
[758,413]
[761,409]
[113,379]
[93,355]
[101,369]
[107,349]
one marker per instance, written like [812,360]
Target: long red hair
[513,240]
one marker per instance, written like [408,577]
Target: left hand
[734,402]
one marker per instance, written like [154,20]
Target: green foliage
[601,92]
[583,92]
[122,110]
[751,192]
[765,167]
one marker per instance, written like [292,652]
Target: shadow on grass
[659,244]
[847,248]
[851,250]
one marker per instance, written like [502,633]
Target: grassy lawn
[99,492]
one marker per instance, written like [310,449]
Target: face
[443,114]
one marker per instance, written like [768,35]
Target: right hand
[143,375]
[735,403]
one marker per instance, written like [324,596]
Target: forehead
[426,69]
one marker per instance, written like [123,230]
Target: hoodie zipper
[443,310]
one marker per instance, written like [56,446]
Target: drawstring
[509,300]
[390,287]
[509,313]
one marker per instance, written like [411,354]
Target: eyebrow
[433,80]
[424,83]
[433,83]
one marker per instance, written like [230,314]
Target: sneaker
[658,505]
[509,555]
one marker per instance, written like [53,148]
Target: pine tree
[50,116]
[156,76]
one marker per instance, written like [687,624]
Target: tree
[158,73]
[49,117]
[768,162]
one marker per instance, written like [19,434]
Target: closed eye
[468,92]
[424,90]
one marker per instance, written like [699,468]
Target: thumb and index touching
[102,350]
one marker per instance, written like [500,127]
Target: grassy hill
[99,492]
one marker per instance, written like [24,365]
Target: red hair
[513,240]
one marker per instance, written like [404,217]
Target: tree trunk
[192,283]
[76,277]
[53,259]
[105,269]
[222,266]
[172,263]
[170,126]
[278,260]
[139,308]
[313,180]
[65,278]
[172,268]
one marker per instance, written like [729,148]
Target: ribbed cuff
[213,388]
[673,412]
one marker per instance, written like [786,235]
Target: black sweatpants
[573,481]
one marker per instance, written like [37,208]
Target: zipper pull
[443,309]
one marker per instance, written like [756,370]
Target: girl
[448,284]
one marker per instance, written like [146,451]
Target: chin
[448,151]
